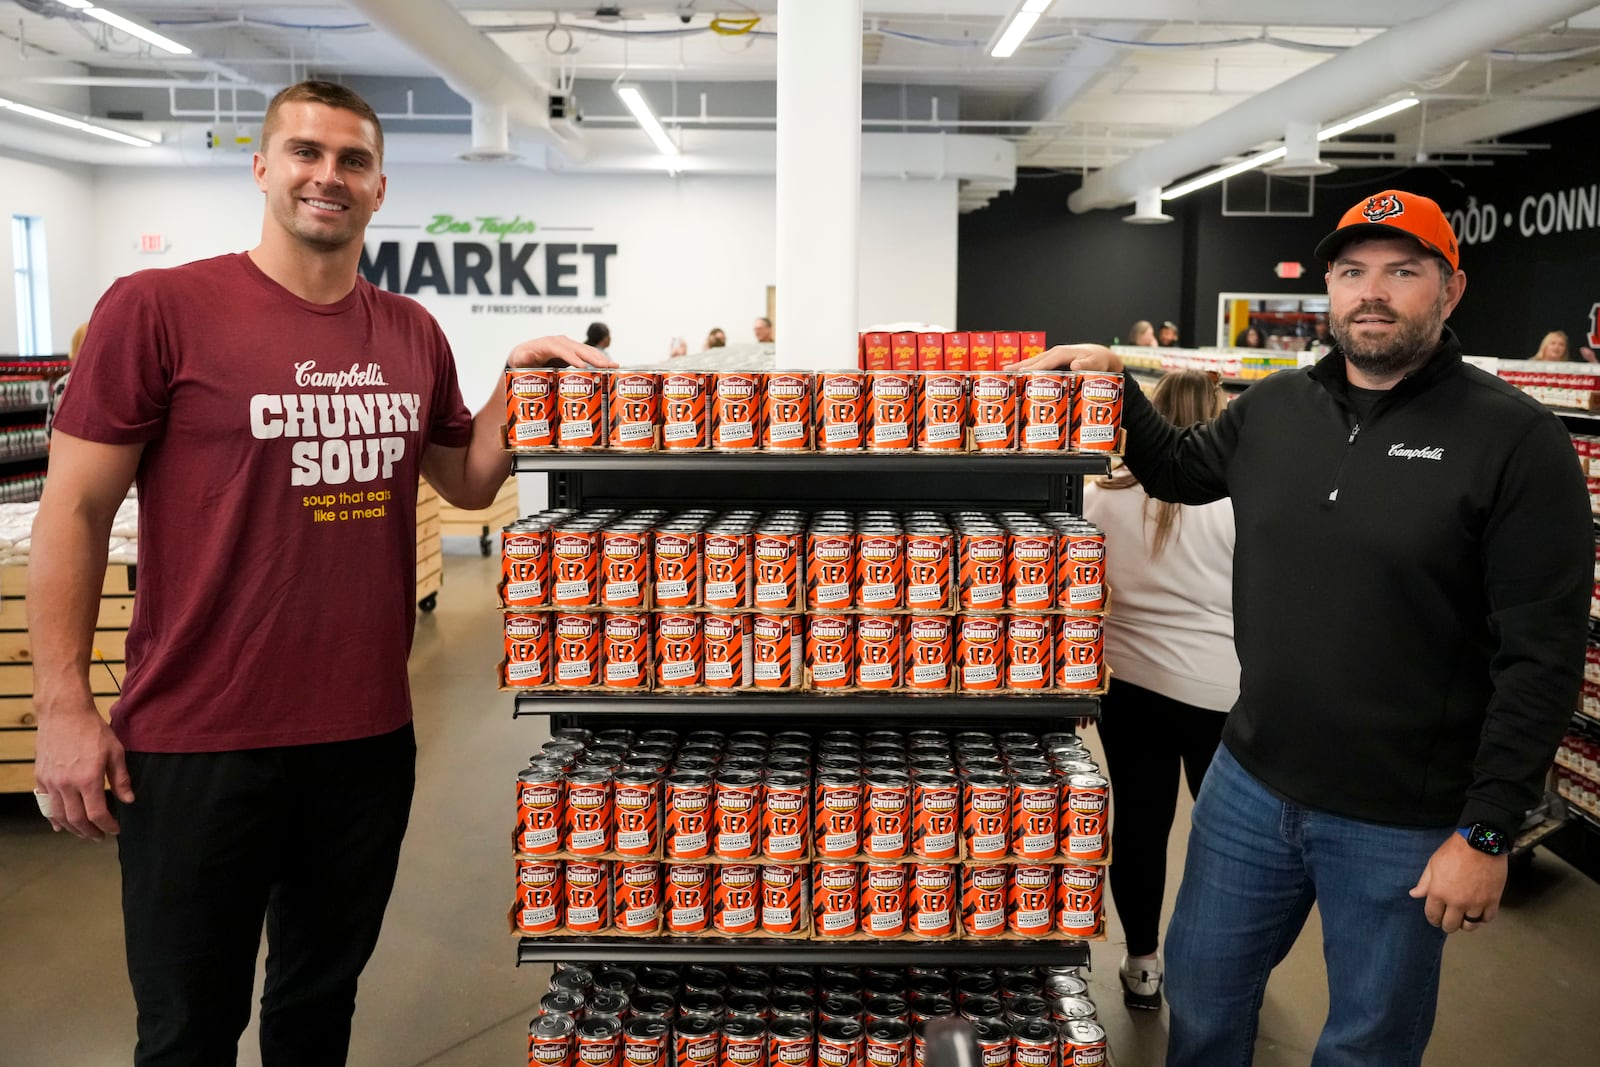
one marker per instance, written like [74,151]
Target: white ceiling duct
[471,64]
[491,136]
[1339,86]
[1303,158]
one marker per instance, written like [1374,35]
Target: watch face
[1487,840]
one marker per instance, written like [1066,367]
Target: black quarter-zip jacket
[1410,591]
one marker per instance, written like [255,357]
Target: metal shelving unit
[946,481]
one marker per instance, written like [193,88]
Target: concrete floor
[442,989]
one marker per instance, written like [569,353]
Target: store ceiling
[1097,80]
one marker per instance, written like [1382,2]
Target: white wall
[693,253]
[62,194]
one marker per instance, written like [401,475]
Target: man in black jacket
[1411,587]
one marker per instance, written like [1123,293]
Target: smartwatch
[1485,839]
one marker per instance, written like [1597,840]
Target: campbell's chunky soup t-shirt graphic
[277,524]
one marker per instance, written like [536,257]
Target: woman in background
[716,339]
[1142,334]
[1170,643]
[1554,347]
[1252,338]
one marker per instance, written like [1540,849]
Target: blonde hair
[1566,343]
[77,341]
[1139,329]
[1186,398]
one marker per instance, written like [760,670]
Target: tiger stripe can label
[1081,570]
[1030,896]
[835,899]
[786,412]
[1047,410]
[590,812]
[735,898]
[783,908]
[541,810]
[778,575]
[880,570]
[980,652]
[689,815]
[636,799]
[726,555]
[678,643]
[530,408]
[837,827]
[777,643]
[1097,411]
[725,642]
[528,656]
[676,565]
[636,899]
[588,886]
[983,563]
[1080,650]
[581,395]
[841,411]
[785,815]
[1080,904]
[575,563]
[735,411]
[1029,651]
[942,413]
[892,411]
[684,422]
[627,651]
[983,900]
[928,570]
[624,567]
[1031,571]
[1035,800]
[1088,798]
[541,896]
[986,816]
[878,651]
[577,650]
[935,816]
[887,815]
[830,651]
[525,568]
[929,653]
[994,412]
[737,804]
[830,569]
[883,899]
[688,897]
[634,406]
[931,900]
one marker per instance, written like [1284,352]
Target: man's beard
[1382,357]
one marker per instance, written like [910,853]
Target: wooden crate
[430,551]
[486,523]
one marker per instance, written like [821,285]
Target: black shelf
[645,950]
[23,409]
[26,457]
[845,706]
[849,463]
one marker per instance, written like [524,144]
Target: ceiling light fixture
[1016,30]
[128,26]
[634,100]
[74,124]
[1263,158]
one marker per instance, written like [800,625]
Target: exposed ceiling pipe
[1334,88]
[471,64]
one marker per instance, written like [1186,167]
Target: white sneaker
[1141,985]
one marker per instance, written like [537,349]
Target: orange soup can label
[634,409]
[1030,899]
[986,817]
[830,569]
[684,422]
[880,570]
[636,896]
[994,412]
[1097,411]
[726,559]
[931,900]
[838,816]
[525,569]
[782,898]
[737,801]
[625,568]
[541,812]
[830,651]
[735,411]
[627,651]
[637,802]
[785,816]
[725,651]
[835,899]
[1080,902]
[1029,652]
[883,899]
[777,645]
[530,408]
[1081,572]
[1035,800]
[582,399]
[688,816]
[575,563]
[786,412]
[1084,821]
[777,570]
[1080,648]
[676,563]
[892,411]
[1046,411]
[886,816]
[942,412]
[591,815]
[841,411]
[984,559]
[1031,571]
[929,653]
[541,896]
[528,659]
[935,816]
[878,652]
[983,900]
[687,887]
[980,652]
[588,884]
[577,650]
[677,650]
[928,571]
[735,898]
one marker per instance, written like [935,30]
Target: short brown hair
[329,94]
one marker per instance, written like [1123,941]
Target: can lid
[888,1031]
[990,1029]
[841,1030]
[552,1026]
[744,1029]
[790,1028]
[697,1026]
[599,1027]
[646,1029]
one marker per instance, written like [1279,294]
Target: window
[33,286]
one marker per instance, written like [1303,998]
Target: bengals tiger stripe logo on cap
[1385,206]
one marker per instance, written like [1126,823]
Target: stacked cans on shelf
[830,601]
[878,836]
[752,1016]
[1577,770]
[588,409]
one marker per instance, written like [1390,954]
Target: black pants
[1147,738]
[305,837]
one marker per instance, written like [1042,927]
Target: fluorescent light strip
[1263,158]
[128,26]
[79,5]
[74,124]
[635,102]
[1022,24]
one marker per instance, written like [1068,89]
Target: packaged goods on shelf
[895,409]
[698,1016]
[1577,769]
[1562,385]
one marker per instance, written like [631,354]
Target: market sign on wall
[1535,215]
[487,258]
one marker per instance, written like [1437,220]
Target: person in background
[1142,335]
[1319,339]
[1251,338]
[715,339]
[677,347]
[1171,645]
[1554,348]
[763,330]
[58,388]
[1168,335]
[598,337]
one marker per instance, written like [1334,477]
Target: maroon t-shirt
[277,500]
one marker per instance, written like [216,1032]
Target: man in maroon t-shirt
[275,411]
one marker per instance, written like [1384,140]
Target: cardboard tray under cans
[1053,935]
[811,449]
[713,860]
[564,931]
[858,937]
[1056,860]
[708,935]
[667,692]
[609,856]
[950,610]
[909,858]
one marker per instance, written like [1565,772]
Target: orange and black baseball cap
[1391,213]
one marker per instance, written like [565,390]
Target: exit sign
[1289,270]
[152,242]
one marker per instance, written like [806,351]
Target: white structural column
[819,182]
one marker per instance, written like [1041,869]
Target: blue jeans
[1256,863]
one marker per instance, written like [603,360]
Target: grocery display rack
[942,481]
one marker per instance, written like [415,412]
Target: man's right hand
[1074,357]
[76,754]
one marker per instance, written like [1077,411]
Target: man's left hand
[559,351]
[1462,886]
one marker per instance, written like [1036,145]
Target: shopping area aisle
[441,990]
